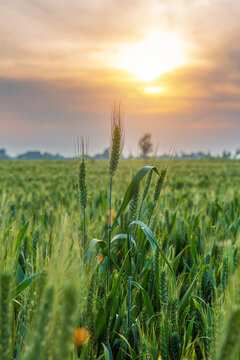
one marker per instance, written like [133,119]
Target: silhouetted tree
[226,154]
[237,153]
[3,154]
[145,144]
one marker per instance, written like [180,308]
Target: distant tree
[145,144]
[37,155]
[226,154]
[3,154]
[104,155]
[237,152]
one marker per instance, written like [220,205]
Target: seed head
[147,185]
[117,135]
[159,185]
[134,205]
[82,184]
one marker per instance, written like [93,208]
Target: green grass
[173,290]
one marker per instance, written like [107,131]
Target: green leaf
[100,322]
[177,259]
[146,299]
[7,231]
[120,318]
[132,188]
[132,352]
[92,245]
[122,237]
[23,285]
[19,274]
[198,306]
[115,286]
[154,244]
[189,331]
[21,235]
[200,309]
[183,317]
[148,233]
[193,249]
[185,298]
[106,352]
[237,227]
[173,219]
[83,351]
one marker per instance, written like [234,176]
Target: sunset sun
[155,55]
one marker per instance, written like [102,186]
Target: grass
[173,285]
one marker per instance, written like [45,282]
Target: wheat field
[168,290]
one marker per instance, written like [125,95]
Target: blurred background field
[37,187]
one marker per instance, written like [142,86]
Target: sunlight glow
[154,89]
[157,54]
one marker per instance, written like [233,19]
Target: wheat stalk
[82,185]
[117,140]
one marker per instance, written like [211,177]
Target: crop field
[156,277]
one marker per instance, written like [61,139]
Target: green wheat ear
[117,136]
[116,146]
[172,313]
[4,316]
[231,339]
[163,288]
[82,183]
[90,314]
[145,192]
[147,185]
[134,205]
[164,342]
[159,185]
[157,191]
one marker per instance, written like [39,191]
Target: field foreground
[171,289]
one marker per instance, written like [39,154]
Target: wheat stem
[109,232]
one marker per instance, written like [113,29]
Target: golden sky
[175,63]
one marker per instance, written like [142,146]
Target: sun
[157,54]
[154,89]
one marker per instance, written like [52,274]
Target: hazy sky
[175,63]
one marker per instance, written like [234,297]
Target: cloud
[40,37]
[50,115]
[56,81]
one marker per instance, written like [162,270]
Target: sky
[174,63]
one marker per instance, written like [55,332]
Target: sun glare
[157,54]
[154,89]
